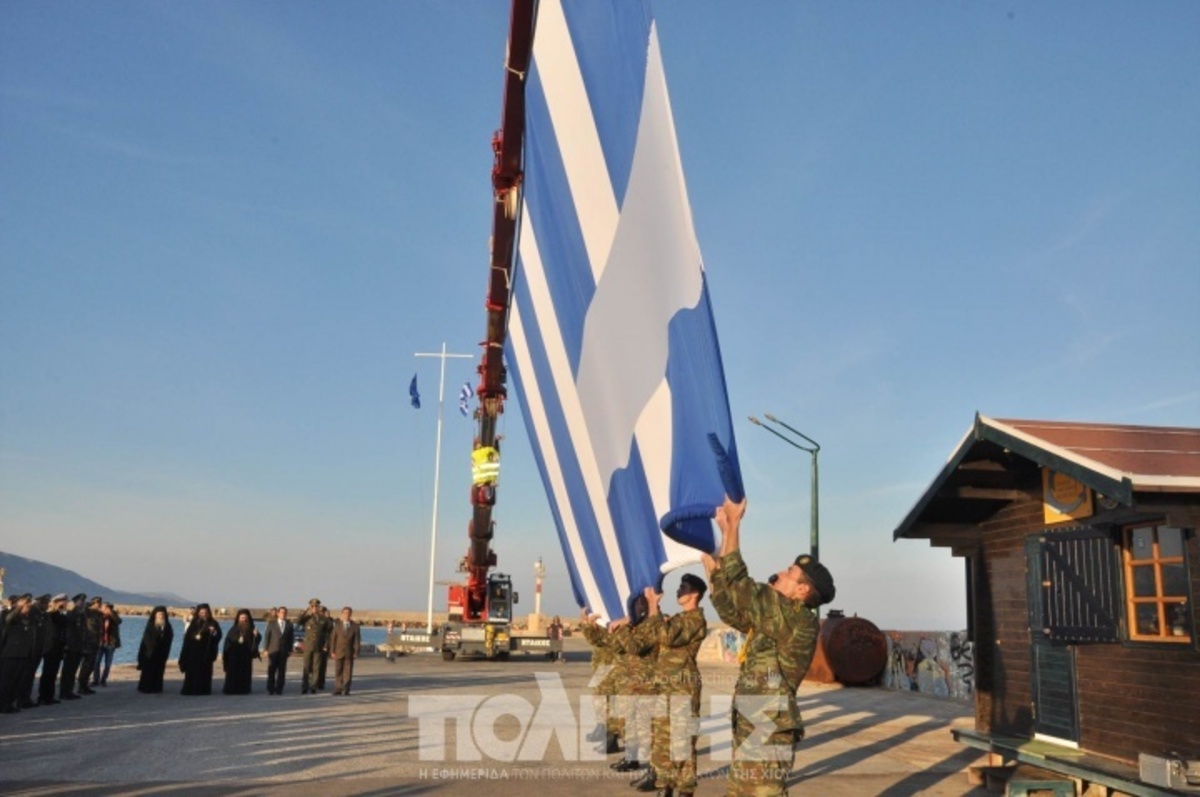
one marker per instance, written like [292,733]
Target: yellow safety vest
[485,465]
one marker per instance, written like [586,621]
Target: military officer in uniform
[72,631]
[20,641]
[91,625]
[38,615]
[782,619]
[323,665]
[315,641]
[604,657]
[52,650]
[637,650]
[677,683]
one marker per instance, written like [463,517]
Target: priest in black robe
[201,643]
[155,650]
[241,650]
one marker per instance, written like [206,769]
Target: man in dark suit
[344,645]
[278,641]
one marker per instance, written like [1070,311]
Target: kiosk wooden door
[1052,663]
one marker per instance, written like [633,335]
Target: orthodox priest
[201,642]
[154,651]
[241,649]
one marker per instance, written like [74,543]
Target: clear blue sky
[225,228]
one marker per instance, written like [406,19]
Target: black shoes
[647,782]
[625,765]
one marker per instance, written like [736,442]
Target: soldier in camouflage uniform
[782,621]
[603,661]
[637,651]
[677,682]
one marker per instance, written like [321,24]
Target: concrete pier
[513,728]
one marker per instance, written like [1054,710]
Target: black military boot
[646,782]
[612,744]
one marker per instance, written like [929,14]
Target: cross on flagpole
[437,469]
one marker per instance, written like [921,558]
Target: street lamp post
[814,448]
[437,470]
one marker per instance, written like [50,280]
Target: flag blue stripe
[632,510]
[610,40]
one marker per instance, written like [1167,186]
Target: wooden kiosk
[1083,576]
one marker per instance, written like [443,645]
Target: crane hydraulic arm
[507,146]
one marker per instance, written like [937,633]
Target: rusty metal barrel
[854,647]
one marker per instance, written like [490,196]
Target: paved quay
[525,726]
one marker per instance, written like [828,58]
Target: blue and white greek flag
[465,393]
[611,337]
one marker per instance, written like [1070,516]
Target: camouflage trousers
[605,705]
[631,715]
[675,726]
[763,753]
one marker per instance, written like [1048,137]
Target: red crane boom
[508,144]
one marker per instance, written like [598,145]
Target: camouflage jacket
[597,637]
[679,640]
[784,640]
[731,615]
[637,652]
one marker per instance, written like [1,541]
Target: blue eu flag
[413,394]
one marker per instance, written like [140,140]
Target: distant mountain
[29,575]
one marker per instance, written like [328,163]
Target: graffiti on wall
[931,662]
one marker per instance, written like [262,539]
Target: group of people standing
[71,642]
[654,682]
[324,638]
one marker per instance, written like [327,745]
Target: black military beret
[818,575]
[693,583]
[80,598]
[96,601]
[45,598]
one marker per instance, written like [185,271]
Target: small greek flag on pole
[464,395]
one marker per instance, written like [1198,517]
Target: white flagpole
[437,469]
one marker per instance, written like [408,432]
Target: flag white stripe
[576,133]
